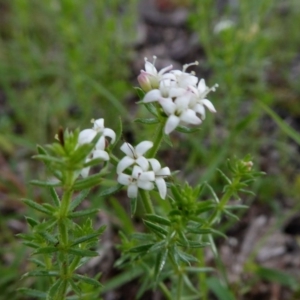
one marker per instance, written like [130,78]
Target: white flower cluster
[181,95]
[87,135]
[144,171]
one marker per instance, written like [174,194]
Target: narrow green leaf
[75,287]
[32,222]
[222,292]
[78,199]
[41,273]
[37,206]
[83,213]
[156,228]
[49,249]
[49,237]
[122,215]
[193,244]
[140,93]
[142,236]
[147,121]
[212,192]
[38,262]
[292,133]
[31,245]
[88,237]
[151,108]
[231,215]
[198,270]
[167,140]
[160,262]
[45,183]
[224,176]
[277,276]
[133,204]
[48,159]
[236,206]
[46,225]
[32,293]
[55,290]
[185,129]
[110,191]
[83,252]
[55,198]
[88,182]
[158,219]
[141,248]
[87,280]
[185,257]
[158,246]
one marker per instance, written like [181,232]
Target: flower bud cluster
[142,172]
[181,95]
[87,135]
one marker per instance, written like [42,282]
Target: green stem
[179,287]
[159,134]
[165,291]
[64,236]
[146,201]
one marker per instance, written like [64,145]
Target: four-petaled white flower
[160,174]
[150,78]
[138,166]
[179,93]
[134,155]
[87,135]
[139,179]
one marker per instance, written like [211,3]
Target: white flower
[139,179]
[223,25]
[160,174]
[179,113]
[167,90]
[198,101]
[134,155]
[150,78]
[87,135]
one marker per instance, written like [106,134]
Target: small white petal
[124,179]
[100,154]
[110,133]
[168,106]
[209,105]
[100,143]
[86,136]
[85,172]
[143,163]
[164,70]
[200,110]
[162,187]
[190,117]
[202,86]
[143,147]
[163,172]
[149,68]
[99,124]
[147,176]
[176,92]
[154,164]
[128,149]
[152,96]
[124,163]
[145,185]
[132,191]
[136,172]
[183,102]
[171,124]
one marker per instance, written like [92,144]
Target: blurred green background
[65,62]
